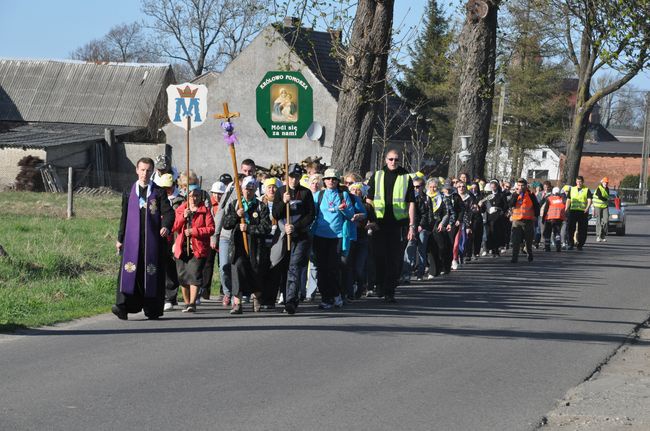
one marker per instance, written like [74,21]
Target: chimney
[291,21]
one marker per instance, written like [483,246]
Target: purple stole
[131,248]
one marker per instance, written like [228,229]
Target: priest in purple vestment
[147,218]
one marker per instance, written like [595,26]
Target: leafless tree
[96,50]
[204,34]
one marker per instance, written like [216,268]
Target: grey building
[94,117]
[275,48]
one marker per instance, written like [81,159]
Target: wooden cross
[227,115]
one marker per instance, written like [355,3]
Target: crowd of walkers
[338,236]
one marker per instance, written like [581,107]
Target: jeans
[552,234]
[224,266]
[422,251]
[298,260]
[409,258]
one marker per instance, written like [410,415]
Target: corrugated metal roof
[47,135]
[120,94]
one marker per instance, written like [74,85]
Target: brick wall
[594,168]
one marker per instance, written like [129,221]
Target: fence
[631,195]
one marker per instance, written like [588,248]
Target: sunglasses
[393,159]
[417,187]
[348,183]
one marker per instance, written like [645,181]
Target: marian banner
[187,100]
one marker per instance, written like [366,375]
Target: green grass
[57,269]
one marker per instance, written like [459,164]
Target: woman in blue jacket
[334,210]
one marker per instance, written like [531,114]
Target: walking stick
[286,180]
[187,181]
[231,138]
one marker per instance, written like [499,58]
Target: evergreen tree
[427,83]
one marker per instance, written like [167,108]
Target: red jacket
[202,229]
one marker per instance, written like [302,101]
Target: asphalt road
[491,347]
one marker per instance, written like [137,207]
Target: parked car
[616,222]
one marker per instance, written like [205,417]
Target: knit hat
[165,180]
[163,162]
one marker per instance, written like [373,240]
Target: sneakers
[454,265]
[325,306]
[168,306]
[338,301]
[189,308]
[198,300]
[281,299]
[604,239]
[430,277]
[420,278]
[598,239]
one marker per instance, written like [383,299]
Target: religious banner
[284,104]
[187,100]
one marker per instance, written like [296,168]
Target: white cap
[556,190]
[249,182]
[218,187]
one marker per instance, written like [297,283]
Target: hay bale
[29,178]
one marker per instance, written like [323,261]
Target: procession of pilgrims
[325,237]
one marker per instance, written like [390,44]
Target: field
[56,269]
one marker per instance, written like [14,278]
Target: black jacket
[259,225]
[302,205]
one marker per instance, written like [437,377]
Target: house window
[544,153]
[538,175]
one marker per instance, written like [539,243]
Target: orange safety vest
[523,209]
[556,208]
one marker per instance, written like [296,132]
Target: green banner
[285,106]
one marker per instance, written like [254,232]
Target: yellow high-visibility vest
[578,198]
[400,209]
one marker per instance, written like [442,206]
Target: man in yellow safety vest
[577,209]
[392,195]
[601,202]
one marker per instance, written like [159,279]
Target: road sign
[285,107]
[187,100]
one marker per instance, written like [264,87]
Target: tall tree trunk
[477,45]
[574,147]
[364,74]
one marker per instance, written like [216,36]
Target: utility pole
[497,139]
[643,177]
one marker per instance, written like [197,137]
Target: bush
[632,182]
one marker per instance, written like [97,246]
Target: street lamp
[464,153]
